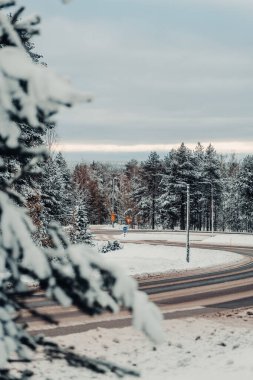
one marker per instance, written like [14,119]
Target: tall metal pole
[212,208]
[113,199]
[188,225]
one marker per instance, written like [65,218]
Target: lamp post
[212,209]
[187,220]
[212,204]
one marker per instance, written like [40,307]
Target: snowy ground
[243,240]
[203,237]
[195,349]
[150,259]
[146,259]
[216,346]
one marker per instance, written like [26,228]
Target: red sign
[113,217]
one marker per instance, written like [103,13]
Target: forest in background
[147,194]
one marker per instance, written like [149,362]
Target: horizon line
[230,147]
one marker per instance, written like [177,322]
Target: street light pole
[212,209]
[188,224]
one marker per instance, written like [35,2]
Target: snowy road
[216,278]
[199,291]
[174,237]
[208,315]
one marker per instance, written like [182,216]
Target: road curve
[178,295]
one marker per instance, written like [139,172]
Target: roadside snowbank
[149,259]
[231,239]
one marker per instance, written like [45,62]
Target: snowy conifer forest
[151,192]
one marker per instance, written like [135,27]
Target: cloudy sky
[161,72]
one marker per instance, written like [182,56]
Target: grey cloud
[186,88]
[153,133]
[241,4]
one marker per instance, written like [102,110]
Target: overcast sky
[161,72]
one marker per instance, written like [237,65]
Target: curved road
[178,295]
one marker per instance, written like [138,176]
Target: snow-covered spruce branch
[30,94]
[80,278]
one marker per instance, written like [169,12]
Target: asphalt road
[184,294]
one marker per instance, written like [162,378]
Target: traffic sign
[125,228]
[113,217]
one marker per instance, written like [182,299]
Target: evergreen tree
[179,170]
[246,193]
[30,95]
[79,232]
[199,189]
[29,184]
[51,191]
[105,175]
[132,169]
[168,202]
[229,217]
[66,190]
[82,235]
[131,192]
[212,175]
[56,194]
[132,173]
[148,192]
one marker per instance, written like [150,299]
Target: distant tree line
[51,195]
[151,193]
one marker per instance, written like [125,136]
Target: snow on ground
[146,258]
[244,240]
[179,236]
[217,346]
[138,235]
[195,349]
[149,259]
[166,236]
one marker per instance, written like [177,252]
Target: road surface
[178,295]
